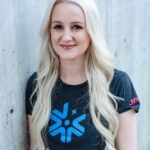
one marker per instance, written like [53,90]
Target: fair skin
[70,41]
[29,119]
[127,133]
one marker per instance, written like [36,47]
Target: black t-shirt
[70,126]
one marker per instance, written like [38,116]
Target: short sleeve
[123,87]
[30,86]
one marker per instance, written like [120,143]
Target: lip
[69,46]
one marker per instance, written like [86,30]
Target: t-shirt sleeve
[30,86]
[124,88]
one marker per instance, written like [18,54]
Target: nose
[67,36]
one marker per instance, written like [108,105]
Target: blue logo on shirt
[60,121]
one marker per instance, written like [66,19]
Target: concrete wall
[127,31]
[19,49]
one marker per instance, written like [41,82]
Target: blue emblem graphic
[60,121]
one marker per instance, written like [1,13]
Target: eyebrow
[74,22]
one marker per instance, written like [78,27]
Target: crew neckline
[80,85]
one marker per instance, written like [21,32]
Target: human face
[68,32]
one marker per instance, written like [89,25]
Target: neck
[72,71]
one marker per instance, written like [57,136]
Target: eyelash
[59,27]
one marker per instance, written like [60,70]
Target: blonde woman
[76,100]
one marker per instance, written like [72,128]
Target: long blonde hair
[99,73]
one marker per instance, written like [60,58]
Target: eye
[77,27]
[58,27]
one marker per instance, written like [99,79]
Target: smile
[67,46]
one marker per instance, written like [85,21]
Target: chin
[68,57]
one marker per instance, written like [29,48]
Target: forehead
[67,11]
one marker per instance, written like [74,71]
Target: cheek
[84,37]
[54,37]
[53,40]
[88,40]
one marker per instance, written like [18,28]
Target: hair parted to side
[99,72]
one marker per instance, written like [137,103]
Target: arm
[127,136]
[29,120]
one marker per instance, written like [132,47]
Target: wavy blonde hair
[99,72]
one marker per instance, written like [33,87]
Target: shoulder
[30,86]
[119,75]
[120,79]
[122,87]
[32,78]
[31,83]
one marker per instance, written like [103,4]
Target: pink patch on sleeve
[134,101]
